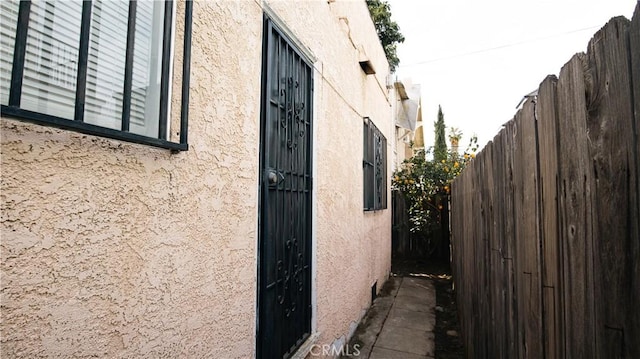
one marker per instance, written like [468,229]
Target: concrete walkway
[400,323]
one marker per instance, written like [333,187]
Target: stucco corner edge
[306,347]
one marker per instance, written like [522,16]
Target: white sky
[479,58]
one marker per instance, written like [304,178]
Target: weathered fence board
[527,233]
[498,263]
[509,235]
[495,262]
[612,147]
[576,234]
[545,221]
[483,249]
[548,151]
[634,247]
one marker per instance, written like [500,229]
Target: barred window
[374,167]
[97,67]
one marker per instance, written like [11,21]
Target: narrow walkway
[400,323]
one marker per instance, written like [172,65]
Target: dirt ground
[447,346]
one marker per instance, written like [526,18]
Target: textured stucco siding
[113,249]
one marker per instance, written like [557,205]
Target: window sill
[88,129]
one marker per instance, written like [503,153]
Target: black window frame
[13,110]
[374,167]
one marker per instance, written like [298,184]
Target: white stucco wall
[113,249]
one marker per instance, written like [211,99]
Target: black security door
[284,297]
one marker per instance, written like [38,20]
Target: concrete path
[400,323]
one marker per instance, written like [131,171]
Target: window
[97,67]
[374,167]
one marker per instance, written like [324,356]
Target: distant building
[407,112]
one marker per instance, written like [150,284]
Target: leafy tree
[387,29]
[440,146]
[425,185]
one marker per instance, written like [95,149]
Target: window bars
[80,66]
[374,167]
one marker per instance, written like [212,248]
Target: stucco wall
[114,249]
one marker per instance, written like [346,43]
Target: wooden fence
[414,246]
[545,221]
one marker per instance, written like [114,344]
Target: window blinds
[8,19]
[52,57]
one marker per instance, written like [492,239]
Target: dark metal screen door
[284,289]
